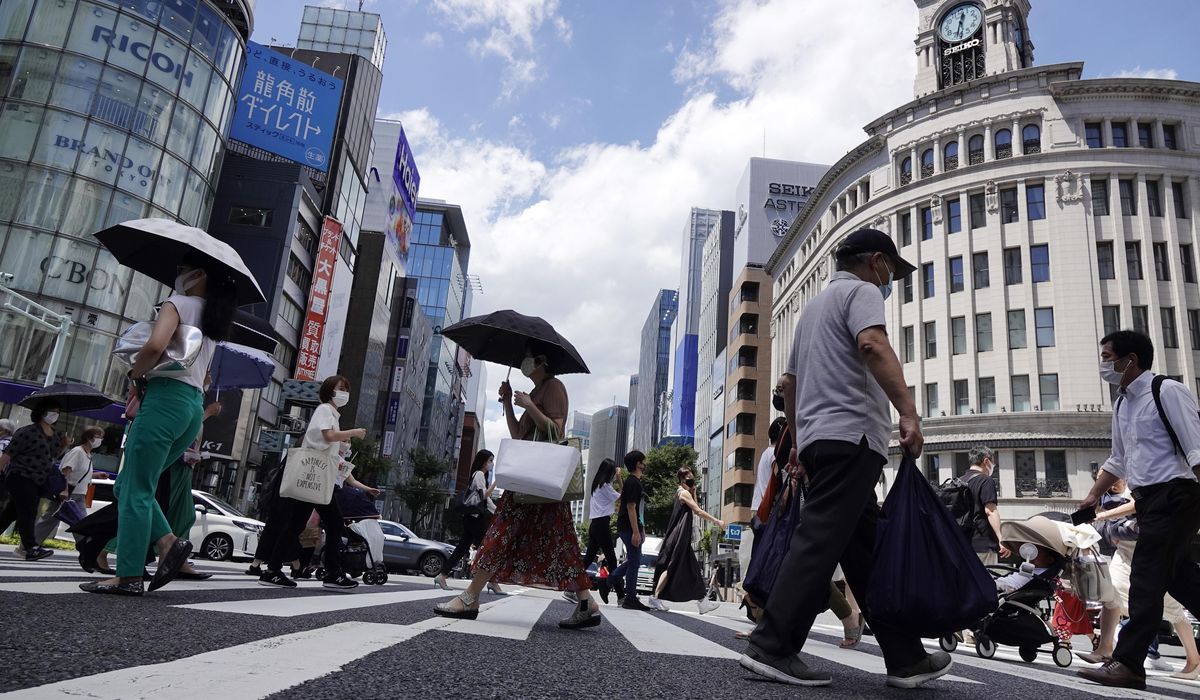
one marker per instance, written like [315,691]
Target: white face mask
[1109,373]
[341,398]
[186,279]
[51,417]
[96,442]
[528,365]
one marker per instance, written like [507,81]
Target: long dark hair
[481,458]
[220,302]
[604,473]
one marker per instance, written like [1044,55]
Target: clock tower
[961,40]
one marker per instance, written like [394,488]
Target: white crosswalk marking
[652,633]
[293,606]
[512,618]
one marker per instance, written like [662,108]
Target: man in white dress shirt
[1156,449]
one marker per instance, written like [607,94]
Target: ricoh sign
[141,51]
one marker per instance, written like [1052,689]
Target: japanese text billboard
[402,207]
[313,330]
[287,107]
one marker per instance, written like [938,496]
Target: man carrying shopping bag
[843,371]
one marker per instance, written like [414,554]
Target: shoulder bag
[539,471]
[175,362]
[308,475]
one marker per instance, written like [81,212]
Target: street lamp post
[37,314]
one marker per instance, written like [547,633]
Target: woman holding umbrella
[27,462]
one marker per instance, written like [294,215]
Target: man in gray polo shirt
[840,378]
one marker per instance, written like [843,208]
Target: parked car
[221,531]
[403,550]
[645,578]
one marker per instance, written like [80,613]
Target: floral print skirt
[533,545]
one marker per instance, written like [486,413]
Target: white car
[221,531]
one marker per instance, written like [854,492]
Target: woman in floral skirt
[531,544]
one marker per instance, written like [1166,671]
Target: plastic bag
[771,544]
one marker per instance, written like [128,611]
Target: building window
[930,332]
[909,344]
[250,216]
[1153,198]
[1112,318]
[1035,201]
[927,163]
[927,281]
[987,394]
[307,238]
[290,312]
[1145,135]
[1094,133]
[1039,263]
[983,332]
[958,335]
[1056,472]
[905,229]
[933,466]
[1020,393]
[1003,144]
[931,400]
[1043,321]
[1141,319]
[979,267]
[1048,390]
[950,156]
[1099,197]
[1167,315]
[1031,139]
[1162,265]
[906,290]
[1026,472]
[1169,137]
[1128,197]
[953,216]
[1104,259]
[1008,206]
[975,149]
[906,171]
[962,397]
[978,205]
[298,273]
[1012,266]
[1177,195]
[1189,269]
[1016,329]
[1119,137]
[956,274]
[285,355]
[926,223]
[1194,327]
[1133,260]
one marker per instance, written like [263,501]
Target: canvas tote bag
[308,475]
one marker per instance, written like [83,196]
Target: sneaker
[1158,663]
[41,553]
[707,606]
[254,571]
[657,604]
[341,583]
[784,669]
[632,603]
[571,597]
[275,578]
[582,617]
[303,573]
[933,666]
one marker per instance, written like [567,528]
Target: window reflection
[44,199]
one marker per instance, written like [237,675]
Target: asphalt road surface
[229,638]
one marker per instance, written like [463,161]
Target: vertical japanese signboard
[287,107]
[313,330]
[402,207]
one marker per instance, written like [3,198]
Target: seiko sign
[789,190]
[142,52]
[778,190]
[961,47]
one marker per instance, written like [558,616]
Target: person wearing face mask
[76,468]
[474,523]
[677,573]
[1156,450]
[281,536]
[26,464]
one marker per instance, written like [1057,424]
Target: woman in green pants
[168,421]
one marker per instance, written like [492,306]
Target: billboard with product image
[402,204]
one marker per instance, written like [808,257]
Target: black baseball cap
[869,240]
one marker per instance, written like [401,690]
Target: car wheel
[218,547]
[431,564]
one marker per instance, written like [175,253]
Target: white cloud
[432,39]
[586,238]
[1139,72]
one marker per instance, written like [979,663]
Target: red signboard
[313,329]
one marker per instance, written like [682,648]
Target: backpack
[960,501]
[1156,391]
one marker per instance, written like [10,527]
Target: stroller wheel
[948,643]
[320,572]
[1062,656]
[369,578]
[381,578]
[1028,654]
[984,647]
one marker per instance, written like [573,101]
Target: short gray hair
[7,426]
[849,262]
[980,453]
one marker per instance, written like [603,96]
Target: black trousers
[1168,516]
[22,507]
[287,521]
[837,526]
[474,528]
[600,540]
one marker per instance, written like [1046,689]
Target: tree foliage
[422,493]
[660,481]
[369,467]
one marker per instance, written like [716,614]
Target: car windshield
[392,528]
[649,559]
[223,505]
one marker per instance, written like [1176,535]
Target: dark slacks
[288,518]
[600,539]
[1168,517]
[837,526]
[22,507]
[633,560]
[474,528]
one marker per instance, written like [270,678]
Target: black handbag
[54,484]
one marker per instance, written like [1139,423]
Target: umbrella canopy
[239,367]
[69,396]
[503,336]
[252,331]
[155,247]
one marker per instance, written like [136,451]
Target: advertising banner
[313,330]
[402,206]
[220,431]
[287,107]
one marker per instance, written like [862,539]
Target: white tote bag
[308,475]
[535,468]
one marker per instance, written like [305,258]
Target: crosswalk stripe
[651,633]
[64,587]
[293,606]
[252,670]
[512,618]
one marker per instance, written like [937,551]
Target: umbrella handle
[506,378]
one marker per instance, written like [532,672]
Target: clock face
[779,227]
[960,23]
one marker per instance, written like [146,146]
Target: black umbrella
[1056,516]
[69,396]
[252,331]
[503,337]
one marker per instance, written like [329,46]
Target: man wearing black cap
[841,375]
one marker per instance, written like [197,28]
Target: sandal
[468,611]
[853,635]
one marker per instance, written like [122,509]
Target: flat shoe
[175,558]
[193,576]
[132,589]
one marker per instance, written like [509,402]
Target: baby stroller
[1026,595]
[362,549]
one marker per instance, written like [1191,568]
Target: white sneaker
[657,604]
[707,606]
[1159,664]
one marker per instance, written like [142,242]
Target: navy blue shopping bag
[772,542]
[927,578]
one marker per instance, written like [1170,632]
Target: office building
[716,278]
[654,370]
[609,428]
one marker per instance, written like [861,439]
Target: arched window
[906,171]
[927,163]
[1031,139]
[950,156]
[1003,144]
[975,149]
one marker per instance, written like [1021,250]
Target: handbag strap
[551,434]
